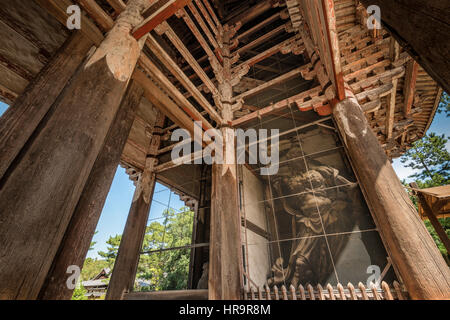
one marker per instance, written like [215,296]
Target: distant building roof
[94,283]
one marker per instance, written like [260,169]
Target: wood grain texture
[125,267]
[413,251]
[78,237]
[22,118]
[40,192]
[225,281]
[425,33]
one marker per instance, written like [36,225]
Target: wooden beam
[273,82]
[58,9]
[176,41]
[225,282]
[82,226]
[40,193]
[432,217]
[390,113]
[225,262]
[207,17]
[216,66]
[299,99]
[252,13]
[282,14]
[158,17]
[333,43]
[126,264]
[262,39]
[425,36]
[162,55]
[20,120]
[179,162]
[202,24]
[410,246]
[118,5]
[182,102]
[157,97]
[213,15]
[97,13]
[319,67]
[437,101]
[412,69]
[289,43]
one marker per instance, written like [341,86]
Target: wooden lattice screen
[329,293]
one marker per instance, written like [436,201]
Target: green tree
[92,267]
[167,270]
[112,249]
[79,293]
[444,105]
[430,158]
[163,269]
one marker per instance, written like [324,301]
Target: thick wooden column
[22,118]
[413,251]
[425,35]
[225,274]
[41,189]
[225,282]
[78,237]
[125,267]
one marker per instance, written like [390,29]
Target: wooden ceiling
[275,43]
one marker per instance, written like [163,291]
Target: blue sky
[440,125]
[114,215]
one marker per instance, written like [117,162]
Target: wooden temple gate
[85,101]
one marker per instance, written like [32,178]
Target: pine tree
[444,105]
[431,159]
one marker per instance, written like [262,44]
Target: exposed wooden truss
[365,61]
[397,96]
[161,15]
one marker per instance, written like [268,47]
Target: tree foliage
[167,270]
[113,247]
[92,267]
[430,158]
[444,105]
[160,270]
[79,293]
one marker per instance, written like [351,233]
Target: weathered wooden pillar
[125,267]
[413,251]
[425,35]
[81,229]
[41,189]
[21,119]
[225,274]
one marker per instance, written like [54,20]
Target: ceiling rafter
[304,71]
[176,95]
[305,101]
[164,28]
[216,65]
[293,44]
[161,15]
[159,52]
